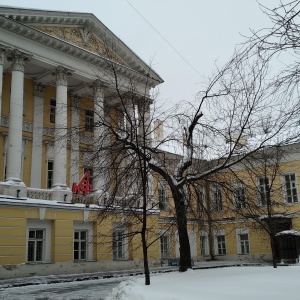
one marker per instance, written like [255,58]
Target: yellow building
[58,73]
[58,77]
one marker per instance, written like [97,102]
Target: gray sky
[204,32]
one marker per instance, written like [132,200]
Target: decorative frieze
[18,60]
[49,131]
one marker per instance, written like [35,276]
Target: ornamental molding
[62,75]
[26,126]
[39,89]
[98,89]
[18,60]
[3,51]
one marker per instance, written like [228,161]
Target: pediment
[82,30]
[83,38]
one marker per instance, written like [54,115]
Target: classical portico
[59,58]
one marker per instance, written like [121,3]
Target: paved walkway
[15,282]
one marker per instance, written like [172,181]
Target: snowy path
[85,290]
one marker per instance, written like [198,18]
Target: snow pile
[235,283]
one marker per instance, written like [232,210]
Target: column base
[13,188]
[62,194]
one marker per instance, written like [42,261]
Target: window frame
[52,110]
[261,190]
[204,244]
[217,204]
[163,201]
[36,240]
[244,244]
[295,187]
[119,249]
[237,202]
[45,226]
[49,181]
[81,241]
[165,246]
[89,120]
[221,244]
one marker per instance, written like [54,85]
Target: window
[80,245]
[263,190]
[290,188]
[217,198]
[239,194]
[50,166]
[221,245]
[244,243]
[35,250]
[52,110]
[89,169]
[89,120]
[118,244]
[204,245]
[162,197]
[164,246]
[200,198]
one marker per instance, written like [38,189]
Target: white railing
[39,194]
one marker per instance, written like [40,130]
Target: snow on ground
[231,283]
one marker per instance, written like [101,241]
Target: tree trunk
[184,243]
[272,239]
[145,257]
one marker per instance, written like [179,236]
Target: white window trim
[163,186]
[240,231]
[284,188]
[259,191]
[235,186]
[118,227]
[86,226]
[217,233]
[206,245]
[166,235]
[42,225]
[214,201]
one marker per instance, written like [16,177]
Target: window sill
[39,263]
[83,261]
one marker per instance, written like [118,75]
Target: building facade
[58,76]
[58,83]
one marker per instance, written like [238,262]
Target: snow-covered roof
[288,232]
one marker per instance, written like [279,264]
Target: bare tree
[254,192]
[238,112]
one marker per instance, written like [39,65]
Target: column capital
[62,75]
[3,49]
[38,89]
[18,60]
[98,87]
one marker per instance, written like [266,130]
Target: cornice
[73,50]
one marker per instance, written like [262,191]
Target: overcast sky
[183,39]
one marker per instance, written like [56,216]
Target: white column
[2,51]
[102,161]
[74,168]
[60,142]
[14,149]
[36,161]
